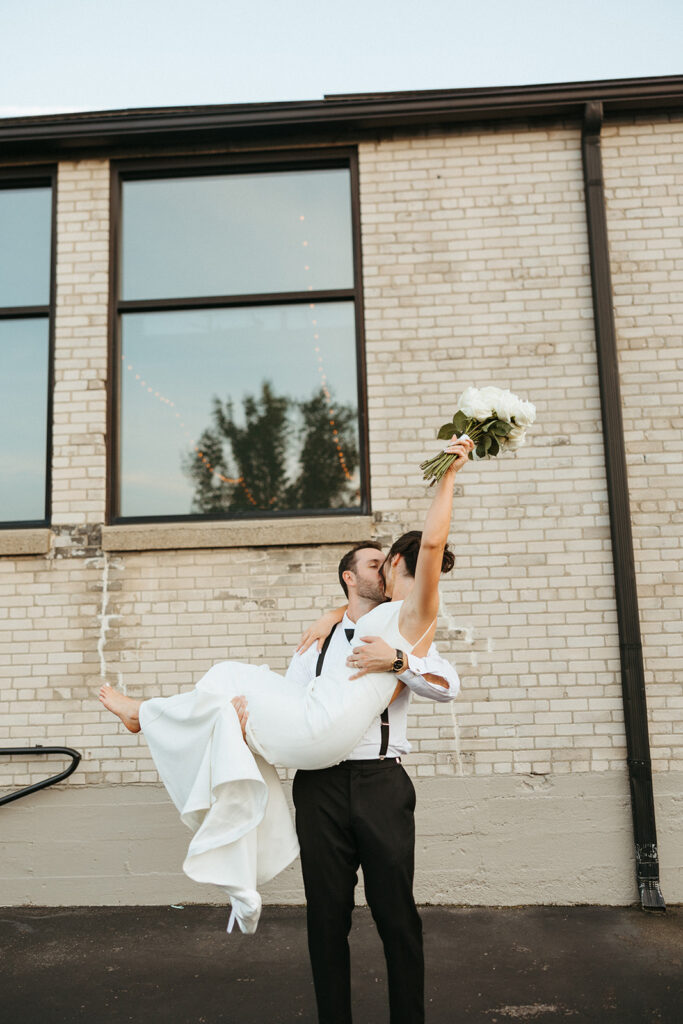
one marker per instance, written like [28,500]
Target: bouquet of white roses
[494,419]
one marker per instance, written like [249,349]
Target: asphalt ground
[484,965]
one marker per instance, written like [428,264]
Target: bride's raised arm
[421,606]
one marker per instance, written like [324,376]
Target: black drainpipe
[630,646]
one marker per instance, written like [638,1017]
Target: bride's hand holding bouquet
[459,449]
[493,420]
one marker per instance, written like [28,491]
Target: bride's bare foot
[125,708]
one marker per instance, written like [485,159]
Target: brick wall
[476,271]
[644,177]
[475,268]
[80,412]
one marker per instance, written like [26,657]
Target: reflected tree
[324,480]
[205,467]
[282,454]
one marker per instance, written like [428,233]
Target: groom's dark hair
[348,562]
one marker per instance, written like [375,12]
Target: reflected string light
[181,423]
[323,379]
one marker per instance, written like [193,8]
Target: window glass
[240,410]
[25,231]
[23,418]
[236,234]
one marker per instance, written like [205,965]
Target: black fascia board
[342,115]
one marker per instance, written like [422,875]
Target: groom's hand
[240,706]
[374,656]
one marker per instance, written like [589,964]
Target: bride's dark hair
[408,545]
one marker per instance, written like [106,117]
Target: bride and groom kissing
[361,812]
[339,717]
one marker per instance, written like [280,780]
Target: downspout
[630,646]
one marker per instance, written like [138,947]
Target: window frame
[38,176]
[202,166]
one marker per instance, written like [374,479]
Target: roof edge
[340,113]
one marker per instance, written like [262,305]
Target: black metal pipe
[38,750]
[630,645]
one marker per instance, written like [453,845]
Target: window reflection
[25,231]
[23,418]
[236,234]
[247,410]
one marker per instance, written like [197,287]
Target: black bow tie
[349,633]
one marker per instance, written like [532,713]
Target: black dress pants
[360,813]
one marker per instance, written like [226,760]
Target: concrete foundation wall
[492,841]
[498,840]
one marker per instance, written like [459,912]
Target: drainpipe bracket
[593,118]
[639,769]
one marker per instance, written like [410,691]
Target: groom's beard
[372,592]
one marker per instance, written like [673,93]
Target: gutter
[344,116]
[630,645]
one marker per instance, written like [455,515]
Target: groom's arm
[431,676]
[301,668]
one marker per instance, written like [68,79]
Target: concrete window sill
[25,542]
[257,533]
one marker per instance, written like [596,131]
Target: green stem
[434,468]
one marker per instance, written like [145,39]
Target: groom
[361,812]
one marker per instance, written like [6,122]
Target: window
[26,293]
[238,342]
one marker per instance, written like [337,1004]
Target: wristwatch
[398,664]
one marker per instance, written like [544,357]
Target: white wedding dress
[228,792]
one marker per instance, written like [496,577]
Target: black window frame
[253,162]
[38,176]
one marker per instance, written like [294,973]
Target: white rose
[515,439]
[505,405]
[473,403]
[514,445]
[525,413]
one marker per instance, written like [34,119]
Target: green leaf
[460,422]
[502,428]
[446,432]
[495,447]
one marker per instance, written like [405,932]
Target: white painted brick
[480,275]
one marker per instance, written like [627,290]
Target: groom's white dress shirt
[302,670]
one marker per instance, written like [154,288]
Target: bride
[227,791]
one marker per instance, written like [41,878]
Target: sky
[68,55]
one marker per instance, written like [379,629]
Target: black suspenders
[321,656]
[384,725]
[384,717]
